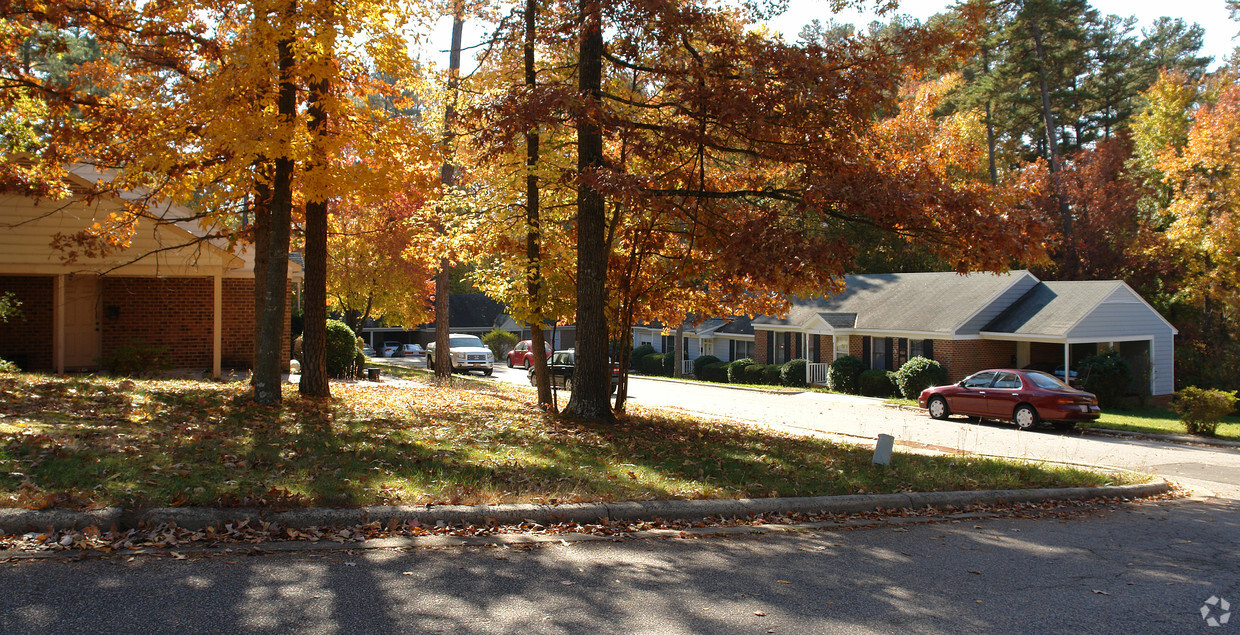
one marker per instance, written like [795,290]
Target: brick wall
[761,354]
[172,313]
[27,339]
[962,358]
[238,323]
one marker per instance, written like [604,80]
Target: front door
[81,310]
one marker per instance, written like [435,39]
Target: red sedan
[1026,397]
[523,354]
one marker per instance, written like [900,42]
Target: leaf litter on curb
[163,539]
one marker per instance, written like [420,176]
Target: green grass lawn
[1158,421]
[84,442]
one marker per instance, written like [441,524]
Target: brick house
[728,339]
[169,288]
[970,323]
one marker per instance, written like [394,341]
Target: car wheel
[430,363]
[527,363]
[568,384]
[533,380]
[487,372]
[938,408]
[1025,417]
[1064,426]
[509,362]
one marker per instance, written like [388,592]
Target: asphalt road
[1140,568]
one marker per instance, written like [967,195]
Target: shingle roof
[1052,308]
[908,302]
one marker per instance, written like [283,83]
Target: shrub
[342,350]
[1106,375]
[653,364]
[875,383]
[635,358]
[1201,409]
[717,372]
[844,375]
[135,358]
[8,367]
[770,374]
[500,342]
[701,362]
[298,348]
[669,363]
[753,373]
[736,370]
[918,374]
[792,373]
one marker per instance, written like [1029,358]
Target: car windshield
[464,341]
[1042,380]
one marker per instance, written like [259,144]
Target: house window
[668,342]
[741,349]
[841,346]
[916,348]
[878,354]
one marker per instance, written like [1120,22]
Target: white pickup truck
[468,353]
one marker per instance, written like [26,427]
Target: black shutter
[865,352]
[731,350]
[787,348]
[887,344]
[816,354]
[904,349]
[927,349]
[770,348]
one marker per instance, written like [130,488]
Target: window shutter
[904,352]
[770,347]
[865,352]
[731,350]
[927,349]
[887,344]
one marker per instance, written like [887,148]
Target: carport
[1064,322]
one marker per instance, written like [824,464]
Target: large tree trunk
[443,354]
[592,378]
[1069,267]
[314,380]
[268,361]
[260,234]
[533,237]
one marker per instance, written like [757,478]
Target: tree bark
[268,362]
[314,380]
[592,377]
[1069,268]
[447,173]
[260,235]
[533,238]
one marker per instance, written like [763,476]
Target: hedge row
[709,368]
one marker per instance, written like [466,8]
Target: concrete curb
[1182,439]
[16,521]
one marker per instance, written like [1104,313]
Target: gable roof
[1055,308]
[935,302]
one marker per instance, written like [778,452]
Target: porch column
[217,328]
[58,327]
[1067,376]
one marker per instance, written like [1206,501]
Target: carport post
[1067,378]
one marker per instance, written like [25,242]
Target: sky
[1220,36]
[1210,14]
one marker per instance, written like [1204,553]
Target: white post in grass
[882,450]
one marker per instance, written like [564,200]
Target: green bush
[342,350]
[1202,409]
[298,348]
[918,374]
[8,367]
[1107,376]
[657,364]
[500,342]
[669,363]
[792,373]
[770,374]
[844,375]
[717,372]
[736,370]
[701,362]
[875,383]
[135,358]
[753,373]
[635,358]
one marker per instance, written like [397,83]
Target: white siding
[1114,321]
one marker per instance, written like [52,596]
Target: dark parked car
[561,366]
[1026,397]
[523,354]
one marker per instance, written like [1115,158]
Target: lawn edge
[17,521]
